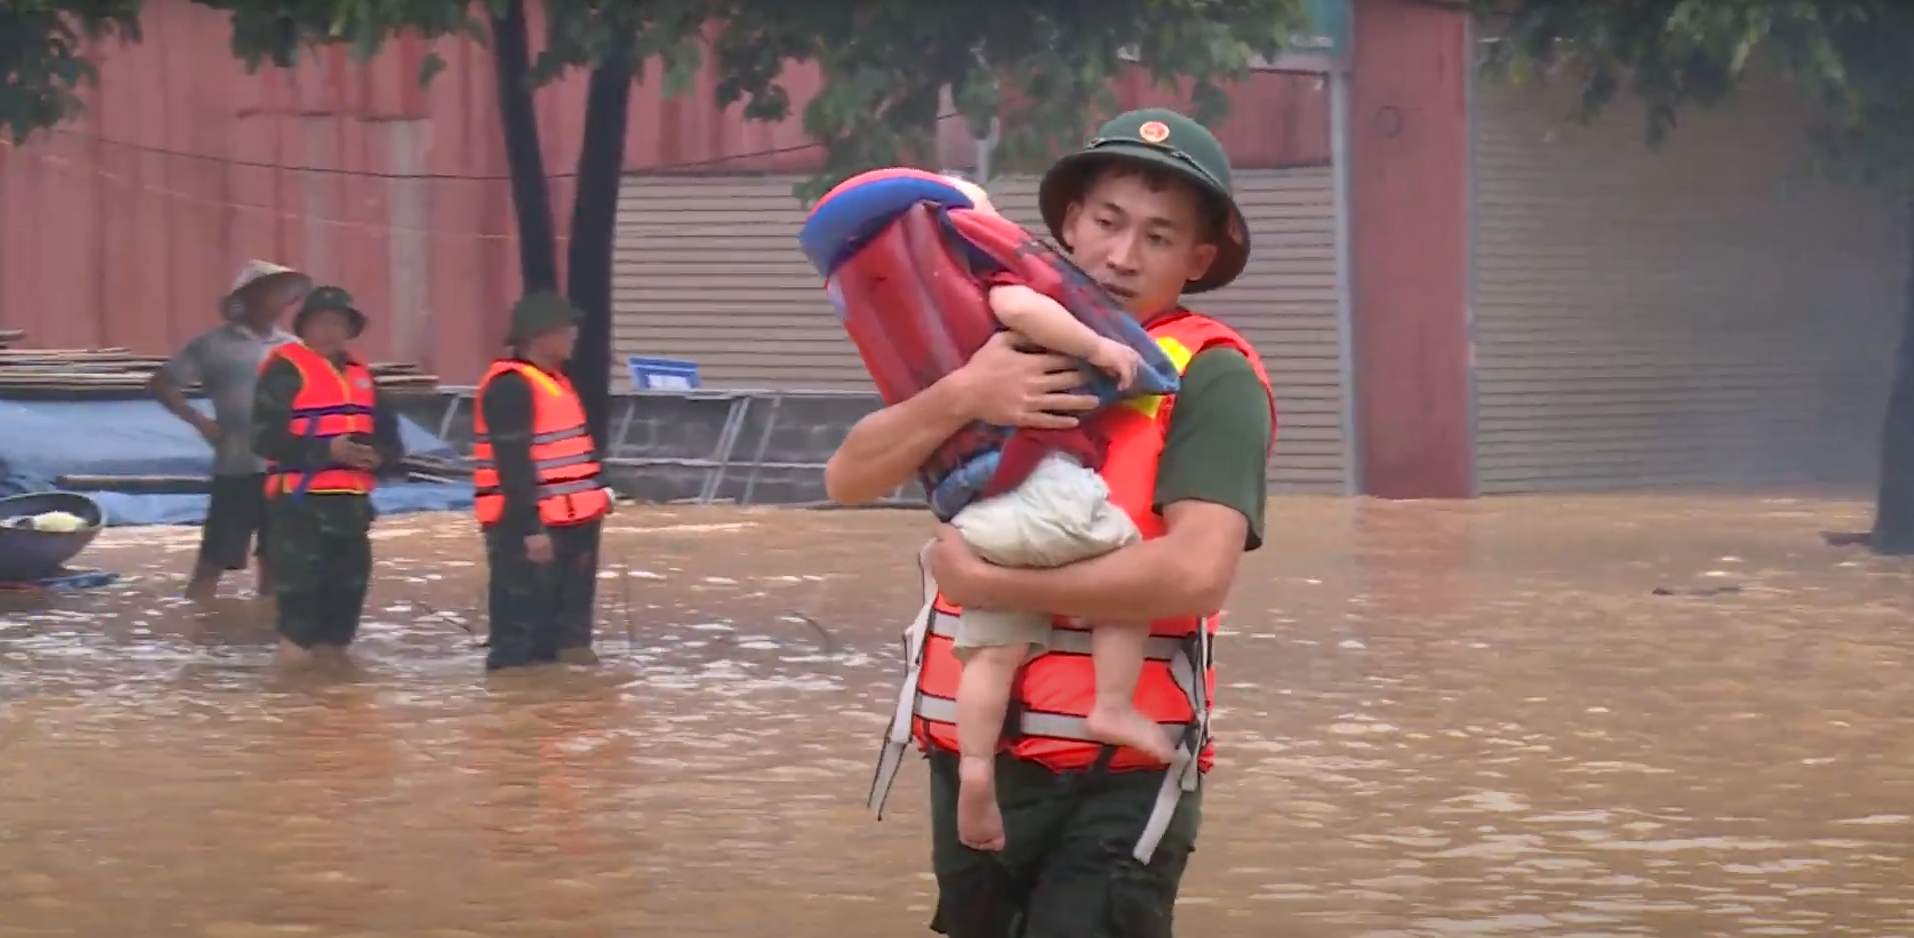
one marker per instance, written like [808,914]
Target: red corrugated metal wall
[123,227]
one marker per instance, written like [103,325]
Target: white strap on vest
[897,739]
[1184,773]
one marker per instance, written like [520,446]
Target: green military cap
[1167,140]
[330,299]
[538,313]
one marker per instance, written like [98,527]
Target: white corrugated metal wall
[1703,313]
[708,270]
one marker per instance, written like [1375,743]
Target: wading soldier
[540,496]
[224,361]
[325,434]
[1096,837]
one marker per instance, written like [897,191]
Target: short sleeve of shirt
[1217,450]
[188,365]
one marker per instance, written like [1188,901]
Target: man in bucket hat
[326,434]
[224,361]
[539,493]
[1096,838]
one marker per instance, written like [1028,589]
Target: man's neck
[261,329]
[548,367]
[1154,318]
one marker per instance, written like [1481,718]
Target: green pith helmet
[538,313]
[1167,140]
[333,299]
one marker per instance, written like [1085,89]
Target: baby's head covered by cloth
[979,199]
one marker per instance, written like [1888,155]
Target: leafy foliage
[1852,62]
[42,56]
[1041,68]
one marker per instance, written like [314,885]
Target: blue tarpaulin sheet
[43,440]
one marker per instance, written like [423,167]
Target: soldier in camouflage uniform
[538,493]
[321,550]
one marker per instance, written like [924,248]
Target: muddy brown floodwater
[1438,720]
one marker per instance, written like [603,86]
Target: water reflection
[1440,720]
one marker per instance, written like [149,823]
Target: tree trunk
[531,194]
[1894,508]
[601,163]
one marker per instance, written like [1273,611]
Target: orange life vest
[332,402]
[1058,688]
[570,488]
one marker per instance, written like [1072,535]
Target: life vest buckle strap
[562,462]
[562,489]
[1072,641]
[897,738]
[558,436]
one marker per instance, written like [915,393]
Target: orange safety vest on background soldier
[571,489]
[1057,690]
[332,402]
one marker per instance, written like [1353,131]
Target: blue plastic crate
[662,374]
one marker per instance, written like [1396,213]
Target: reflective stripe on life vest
[571,488]
[332,402]
[1058,688]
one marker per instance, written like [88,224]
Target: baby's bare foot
[1123,726]
[980,825]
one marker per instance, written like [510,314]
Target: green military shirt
[273,439]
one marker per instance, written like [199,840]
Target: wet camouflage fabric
[321,555]
[1067,871]
[540,610]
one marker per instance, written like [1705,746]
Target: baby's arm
[1043,320]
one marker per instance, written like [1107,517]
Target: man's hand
[538,548]
[1009,387]
[959,572]
[346,452]
[209,430]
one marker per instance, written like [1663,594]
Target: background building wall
[123,227]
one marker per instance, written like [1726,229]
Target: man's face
[1140,238]
[264,303]
[553,344]
[327,331]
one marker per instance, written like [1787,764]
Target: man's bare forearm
[885,449]
[1043,320]
[168,393]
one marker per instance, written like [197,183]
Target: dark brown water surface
[1439,720]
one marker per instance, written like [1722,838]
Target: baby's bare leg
[983,698]
[1117,652]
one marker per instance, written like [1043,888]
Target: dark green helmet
[1166,140]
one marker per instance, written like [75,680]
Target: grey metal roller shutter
[1285,304]
[1697,314]
[707,269]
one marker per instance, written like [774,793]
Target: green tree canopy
[1045,65]
[1852,61]
[43,56]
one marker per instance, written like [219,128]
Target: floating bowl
[27,555]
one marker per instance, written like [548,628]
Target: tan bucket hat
[263,275]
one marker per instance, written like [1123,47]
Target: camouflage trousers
[1067,871]
[321,558]
[539,610]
